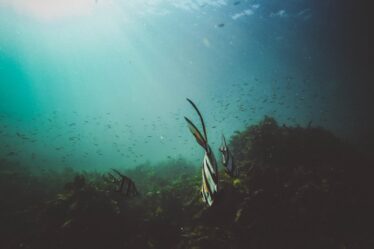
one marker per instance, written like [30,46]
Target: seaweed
[299,187]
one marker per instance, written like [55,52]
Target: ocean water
[95,151]
[94,84]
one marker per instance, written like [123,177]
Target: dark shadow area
[298,188]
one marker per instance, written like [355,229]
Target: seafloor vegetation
[298,188]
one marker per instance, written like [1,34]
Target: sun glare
[51,9]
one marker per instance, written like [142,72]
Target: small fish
[209,169]
[221,25]
[227,159]
[126,185]
[22,136]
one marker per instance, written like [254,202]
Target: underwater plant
[298,187]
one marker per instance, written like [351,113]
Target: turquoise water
[101,84]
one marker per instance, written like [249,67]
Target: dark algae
[297,187]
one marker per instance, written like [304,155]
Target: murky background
[99,84]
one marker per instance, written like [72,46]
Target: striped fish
[209,171]
[126,185]
[227,159]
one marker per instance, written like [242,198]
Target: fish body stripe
[211,176]
[207,197]
[207,163]
[227,161]
[205,191]
[209,184]
[211,164]
[210,179]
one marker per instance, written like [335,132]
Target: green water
[97,84]
[95,151]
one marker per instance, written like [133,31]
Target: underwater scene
[186,124]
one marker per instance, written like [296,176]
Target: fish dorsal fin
[201,119]
[224,141]
[197,134]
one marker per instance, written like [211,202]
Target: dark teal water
[99,84]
